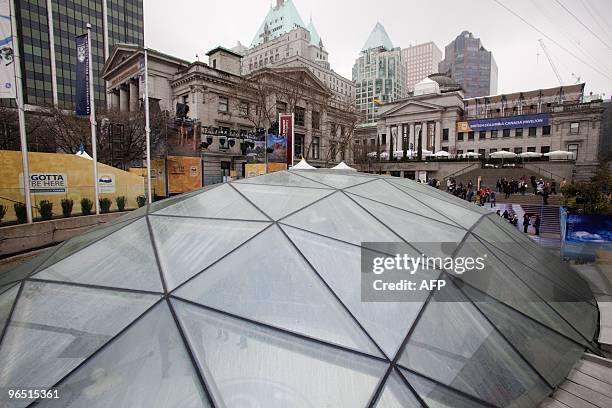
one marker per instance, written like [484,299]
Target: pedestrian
[536,225]
[448,184]
[525,223]
[545,195]
[492,198]
[506,215]
[534,185]
[553,187]
[498,185]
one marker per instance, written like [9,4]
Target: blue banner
[512,122]
[278,144]
[589,229]
[82,76]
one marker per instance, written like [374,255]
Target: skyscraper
[47,32]
[421,61]
[468,62]
[379,73]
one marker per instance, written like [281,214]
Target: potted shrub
[20,213]
[86,206]
[121,200]
[45,208]
[67,205]
[105,205]
[141,200]
[3,209]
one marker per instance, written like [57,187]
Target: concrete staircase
[490,176]
[549,216]
[532,199]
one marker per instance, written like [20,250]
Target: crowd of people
[528,219]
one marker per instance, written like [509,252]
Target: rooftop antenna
[197,57]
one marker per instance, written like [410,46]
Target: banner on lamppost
[285,128]
[7,60]
[83,107]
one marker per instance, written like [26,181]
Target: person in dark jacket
[525,223]
[536,225]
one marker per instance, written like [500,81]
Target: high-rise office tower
[421,61]
[47,30]
[468,62]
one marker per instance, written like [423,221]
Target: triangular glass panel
[222,202]
[24,269]
[146,366]
[124,260]
[280,289]
[336,180]
[269,368]
[499,282]
[438,396]
[7,298]
[79,242]
[396,394]
[338,263]
[186,246]
[386,193]
[551,354]
[6,287]
[337,216]
[278,201]
[452,210]
[455,345]
[281,178]
[166,202]
[55,327]
[423,233]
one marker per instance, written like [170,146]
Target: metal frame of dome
[157,323]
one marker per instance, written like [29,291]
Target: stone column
[124,99]
[308,134]
[411,138]
[438,136]
[389,138]
[114,99]
[133,96]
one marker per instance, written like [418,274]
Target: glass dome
[248,294]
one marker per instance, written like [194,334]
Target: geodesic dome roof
[248,295]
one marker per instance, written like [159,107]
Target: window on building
[482,134]
[518,132]
[481,152]
[546,130]
[506,133]
[383,139]
[518,150]
[492,150]
[460,136]
[300,116]
[298,150]
[316,120]
[573,148]
[459,152]
[532,131]
[575,128]
[244,108]
[444,148]
[544,149]
[214,63]
[494,134]
[223,104]
[470,135]
[445,135]
[531,149]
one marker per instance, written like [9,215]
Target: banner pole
[21,116]
[147,127]
[92,121]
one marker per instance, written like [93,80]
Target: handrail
[460,171]
[543,170]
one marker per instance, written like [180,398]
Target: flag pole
[21,116]
[92,121]
[147,127]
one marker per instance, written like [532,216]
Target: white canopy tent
[303,165]
[530,154]
[502,154]
[343,166]
[560,154]
[441,153]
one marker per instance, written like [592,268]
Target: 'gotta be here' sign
[47,183]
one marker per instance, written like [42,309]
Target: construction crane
[550,61]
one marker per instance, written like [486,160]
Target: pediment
[412,107]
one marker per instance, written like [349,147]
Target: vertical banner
[7,60]
[82,76]
[285,127]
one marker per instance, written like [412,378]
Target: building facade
[471,65]
[379,74]
[218,96]
[47,32]
[283,40]
[421,60]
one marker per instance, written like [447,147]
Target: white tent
[560,154]
[442,153]
[502,154]
[303,165]
[530,154]
[343,166]
[470,154]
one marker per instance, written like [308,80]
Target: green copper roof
[280,20]
[378,38]
[315,38]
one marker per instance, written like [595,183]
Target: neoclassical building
[218,96]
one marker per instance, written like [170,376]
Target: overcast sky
[185,28]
